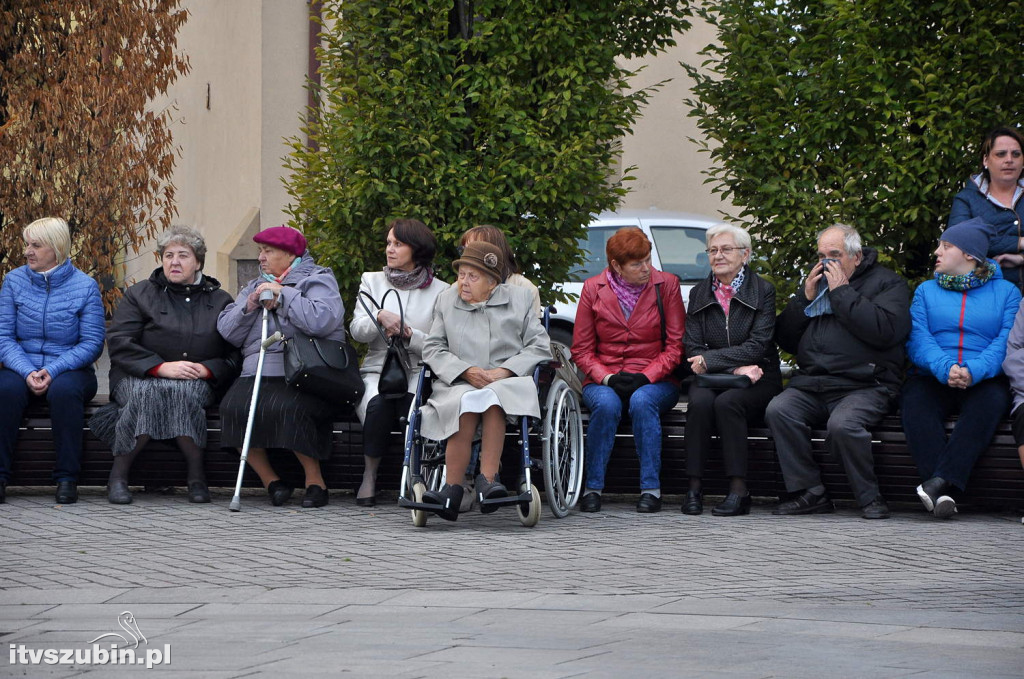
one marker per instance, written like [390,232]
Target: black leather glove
[621,383]
[640,380]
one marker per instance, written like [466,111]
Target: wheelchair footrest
[422,506]
[525,497]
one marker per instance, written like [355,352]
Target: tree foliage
[869,113]
[504,112]
[76,137]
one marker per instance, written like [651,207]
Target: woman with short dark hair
[168,363]
[409,252]
[627,341]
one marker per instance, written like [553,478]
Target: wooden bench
[997,481]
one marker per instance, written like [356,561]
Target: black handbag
[326,368]
[394,373]
[721,381]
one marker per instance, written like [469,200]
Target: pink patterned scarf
[627,293]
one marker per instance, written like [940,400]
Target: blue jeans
[646,406]
[67,396]
[926,405]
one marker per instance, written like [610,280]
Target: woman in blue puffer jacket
[51,332]
[960,324]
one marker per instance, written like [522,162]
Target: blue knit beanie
[972,237]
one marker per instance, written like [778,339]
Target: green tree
[485,112]
[78,139]
[869,113]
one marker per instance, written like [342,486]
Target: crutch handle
[276,337]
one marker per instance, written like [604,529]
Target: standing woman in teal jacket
[960,323]
[51,332]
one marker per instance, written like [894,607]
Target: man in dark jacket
[847,328]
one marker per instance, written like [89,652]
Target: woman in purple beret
[306,298]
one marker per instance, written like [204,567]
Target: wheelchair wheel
[562,448]
[529,514]
[419,517]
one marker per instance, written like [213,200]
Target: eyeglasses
[727,250]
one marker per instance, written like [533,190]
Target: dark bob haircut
[627,245]
[416,235]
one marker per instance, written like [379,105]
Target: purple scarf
[627,293]
[420,277]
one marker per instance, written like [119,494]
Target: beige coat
[417,307]
[503,332]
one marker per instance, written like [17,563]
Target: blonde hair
[51,231]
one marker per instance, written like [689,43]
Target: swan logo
[120,649]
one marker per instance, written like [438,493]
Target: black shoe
[118,493]
[449,498]
[198,492]
[488,490]
[315,497]
[931,490]
[876,509]
[694,503]
[279,492]
[591,502]
[806,503]
[733,505]
[67,493]
[367,501]
[3,492]
[648,504]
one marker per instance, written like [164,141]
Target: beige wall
[253,56]
[668,166]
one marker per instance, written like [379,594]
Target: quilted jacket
[53,321]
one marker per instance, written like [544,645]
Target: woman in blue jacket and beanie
[960,323]
[994,195]
[51,332]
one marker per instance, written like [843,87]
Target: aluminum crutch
[236,501]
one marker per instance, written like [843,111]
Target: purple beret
[283,238]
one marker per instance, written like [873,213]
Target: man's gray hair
[183,235]
[851,239]
[739,234]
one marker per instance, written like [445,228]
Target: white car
[678,248]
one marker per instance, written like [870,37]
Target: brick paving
[344,590]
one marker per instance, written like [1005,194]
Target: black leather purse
[394,373]
[722,381]
[326,368]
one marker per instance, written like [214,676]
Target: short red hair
[627,245]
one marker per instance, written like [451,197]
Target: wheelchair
[559,429]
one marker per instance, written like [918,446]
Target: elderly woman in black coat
[167,363]
[729,329]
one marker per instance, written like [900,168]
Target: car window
[681,250]
[593,247]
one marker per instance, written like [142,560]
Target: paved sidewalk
[344,591]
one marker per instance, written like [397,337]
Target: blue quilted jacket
[53,321]
[963,328]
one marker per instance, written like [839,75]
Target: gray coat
[503,332]
[310,301]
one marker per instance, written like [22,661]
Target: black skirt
[285,418]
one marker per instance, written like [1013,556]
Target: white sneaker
[945,507]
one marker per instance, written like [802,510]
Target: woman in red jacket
[627,340]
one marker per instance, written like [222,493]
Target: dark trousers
[926,405]
[67,396]
[848,417]
[381,419]
[728,412]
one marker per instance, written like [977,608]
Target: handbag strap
[389,341]
[661,314]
